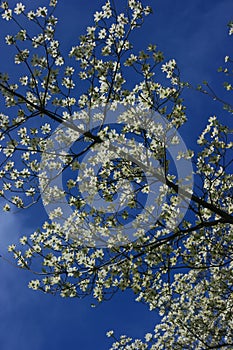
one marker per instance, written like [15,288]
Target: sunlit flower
[7,15]
[19,8]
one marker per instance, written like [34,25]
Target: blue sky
[195,34]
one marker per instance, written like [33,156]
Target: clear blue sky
[195,34]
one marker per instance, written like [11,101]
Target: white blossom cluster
[181,267]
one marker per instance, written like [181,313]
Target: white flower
[53,3]
[98,16]
[9,39]
[24,80]
[6,207]
[11,248]
[231,28]
[34,284]
[68,83]
[169,67]
[22,56]
[90,30]
[69,71]
[41,12]
[59,61]
[4,5]
[148,337]
[19,8]
[46,128]
[7,15]
[37,248]
[107,10]
[23,240]
[102,33]
[110,333]
[21,35]
[31,15]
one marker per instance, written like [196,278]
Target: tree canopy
[94,134]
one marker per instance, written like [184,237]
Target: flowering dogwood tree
[129,207]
